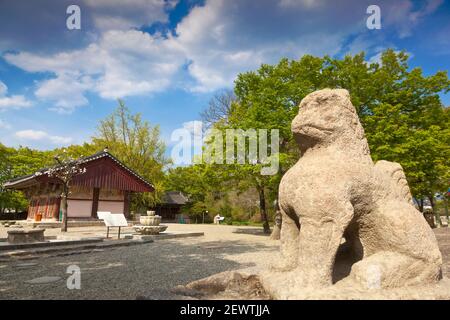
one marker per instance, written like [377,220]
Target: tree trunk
[435,211]
[421,205]
[263,211]
[446,210]
[276,232]
[64,209]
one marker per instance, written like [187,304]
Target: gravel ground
[150,270]
[443,237]
[143,271]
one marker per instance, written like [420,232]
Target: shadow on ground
[254,232]
[147,271]
[443,237]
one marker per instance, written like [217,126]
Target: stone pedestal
[150,224]
[150,220]
[150,229]
[26,236]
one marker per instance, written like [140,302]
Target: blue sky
[167,58]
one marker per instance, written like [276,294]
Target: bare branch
[219,108]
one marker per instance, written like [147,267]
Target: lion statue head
[328,117]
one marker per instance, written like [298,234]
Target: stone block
[26,235]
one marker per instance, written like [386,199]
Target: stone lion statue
[336,194]
[348,226]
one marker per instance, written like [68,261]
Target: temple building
[105,186]
[170,207]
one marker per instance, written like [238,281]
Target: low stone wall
[57,224]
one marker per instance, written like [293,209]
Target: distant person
[217,219]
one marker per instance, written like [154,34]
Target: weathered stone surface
[142,229]
[349,228]
[26,235]
[150,220]
[335,191]
[233,285]
[226,285]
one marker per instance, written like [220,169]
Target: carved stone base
[150,229]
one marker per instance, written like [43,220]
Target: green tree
[399,107]
[138,145]
[64,170]
[408,123]
[76,151]
[203,185]
[15,163]
[5,174]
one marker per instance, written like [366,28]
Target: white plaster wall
[79,208]
[111,206]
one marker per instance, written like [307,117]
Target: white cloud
[218,40]
[14,102]
[222,39]
[38,135]
[300,3]
[11,102]
[66,91]
[31,134]
[137,63]
[126,14]
[122,63]
[211,45]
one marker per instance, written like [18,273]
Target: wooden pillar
[95,197]
[47,205]
[31,206]
[57,208]
[126,204]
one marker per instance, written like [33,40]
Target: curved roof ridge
[95,156]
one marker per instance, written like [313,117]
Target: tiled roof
[174,197]
[87,159]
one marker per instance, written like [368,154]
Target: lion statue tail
[395,173]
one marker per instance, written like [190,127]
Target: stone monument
[150,224]
[336,192]
[349,227]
